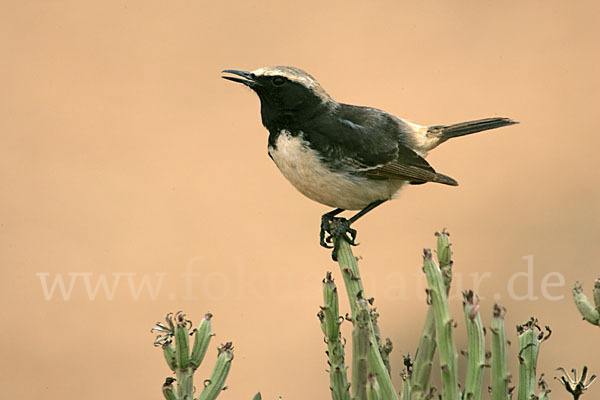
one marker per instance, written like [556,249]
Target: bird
[344,156]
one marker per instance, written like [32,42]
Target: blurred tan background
[124,155]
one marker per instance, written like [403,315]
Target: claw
[336,228]
[350,235]
[334,253]
[340,227]
[326,245]
[344,230]
[325,228]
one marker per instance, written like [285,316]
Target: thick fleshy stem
[202,337]
[419,378]
[406,374]
[544,393]
[184,361]
[475,349]
[168,390]
[444,256]
[384,348]
[406,392]
[421,372]
[330,325]
[373,389]
[596,293]
[500,375]
[589,312]
[349,267]
[443,327]
[530,338]
[216,383]
[360,350]
[185,374]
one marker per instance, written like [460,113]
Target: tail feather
[445,179]
[466,128]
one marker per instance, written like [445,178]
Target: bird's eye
[278,81]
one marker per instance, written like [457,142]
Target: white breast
[304,169]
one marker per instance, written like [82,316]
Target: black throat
[293,121]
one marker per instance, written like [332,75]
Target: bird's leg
[326,220]
[340,227]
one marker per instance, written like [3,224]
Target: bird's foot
[333,229]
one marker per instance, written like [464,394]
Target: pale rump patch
[422,142]
[304,169]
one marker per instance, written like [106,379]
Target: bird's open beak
[248,77]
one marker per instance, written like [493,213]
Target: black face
[281,94]
[281,99]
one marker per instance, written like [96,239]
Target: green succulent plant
[184,348]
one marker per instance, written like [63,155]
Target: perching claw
[336,228]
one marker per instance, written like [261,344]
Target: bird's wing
[366,141]
[407,166]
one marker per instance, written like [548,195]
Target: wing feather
[367,142]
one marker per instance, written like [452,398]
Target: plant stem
[349,267]
[184,362]
[596,293]
[360,350]
[475,349]
[330,325]
[214,385]
[385,351]
[544,393]
[185,374]
[351,274]
[384,348]
[587,311]
[202,337]
[529,347]
[500,375]
[373,390]
[419,379]
[407,392]
[443,327]
[168,391]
